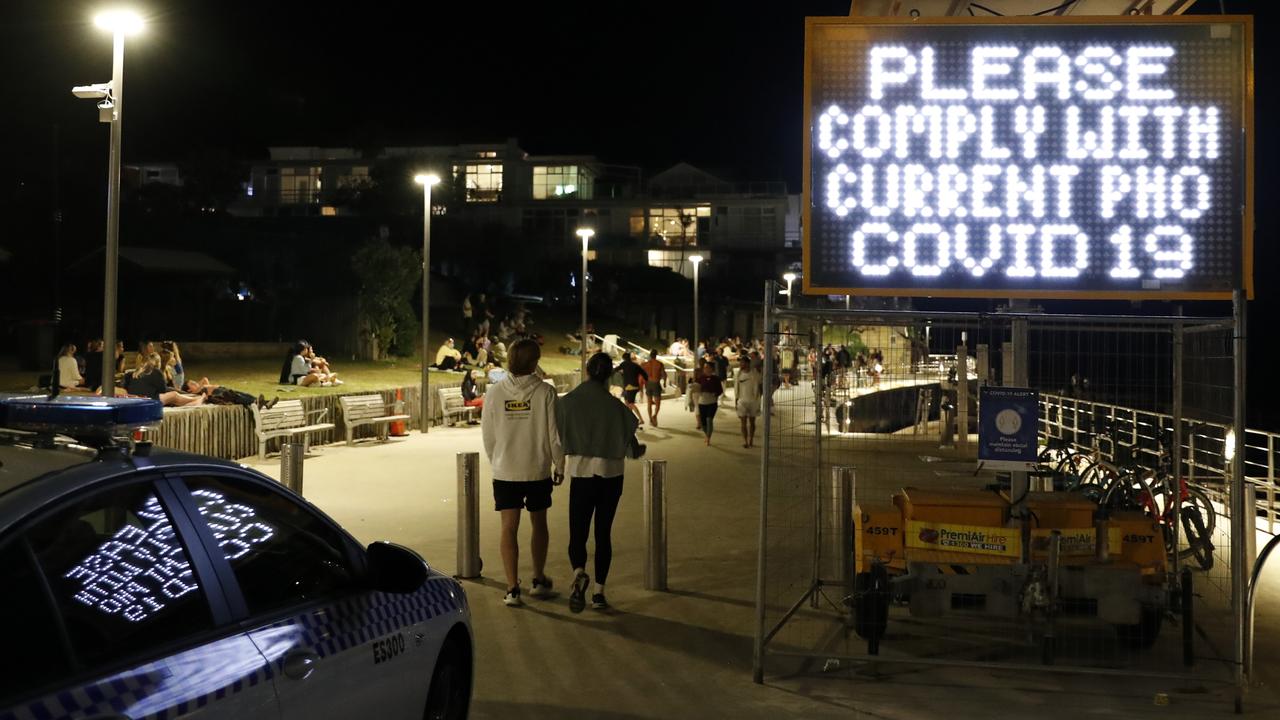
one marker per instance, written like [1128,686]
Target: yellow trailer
[963,551]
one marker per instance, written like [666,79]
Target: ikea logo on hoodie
[517,406]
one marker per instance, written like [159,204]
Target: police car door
[109,619]
[308,607]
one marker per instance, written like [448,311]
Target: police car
[147,583]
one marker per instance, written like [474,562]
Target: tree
[388,276]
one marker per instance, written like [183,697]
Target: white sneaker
[542,589]
[512,598]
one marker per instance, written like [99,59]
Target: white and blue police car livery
[142,583]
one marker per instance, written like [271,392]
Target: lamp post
[790,278]
[120,23]
[696,260]
[426,181]
[585,234]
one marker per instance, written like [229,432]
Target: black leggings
[707,414]
[593,496]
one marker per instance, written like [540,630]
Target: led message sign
[1085,159]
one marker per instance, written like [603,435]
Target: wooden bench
[452,405]
[286,420]
[366,410]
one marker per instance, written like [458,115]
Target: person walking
[748,391]
[522,442]
[633,378]
[653,387]
[597,433]
[708,398]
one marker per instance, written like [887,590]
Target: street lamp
[586,235]
[790,278]
[110,97]
[426,181]
[696,260]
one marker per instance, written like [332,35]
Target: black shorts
[629,396]
[653,389]
[532,495]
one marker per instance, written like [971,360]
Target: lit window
[675,227]
[556,181]
[484,182]
[637,223]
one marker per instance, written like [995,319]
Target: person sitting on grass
[151,382]
[298,370]
[67,371]
[447,357]
[321,366]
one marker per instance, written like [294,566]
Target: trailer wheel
[871,606]
[1144,633]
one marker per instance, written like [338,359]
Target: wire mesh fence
[884,540]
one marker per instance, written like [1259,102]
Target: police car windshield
[20,463]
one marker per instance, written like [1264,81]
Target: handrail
[1148,425]
[1248,603]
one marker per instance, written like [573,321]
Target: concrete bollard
[469,563]
[655,524]
[291,455]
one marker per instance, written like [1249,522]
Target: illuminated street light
[586,234]
[1229,446]
[427,181]
[790,278]
[696,260]
[119,20]
[110,96]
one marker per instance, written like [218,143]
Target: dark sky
[638,83]
[648,83]
[717,83]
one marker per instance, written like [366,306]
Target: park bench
[360,410]
[452,405]
[286,420]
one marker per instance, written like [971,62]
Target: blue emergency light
[78,415]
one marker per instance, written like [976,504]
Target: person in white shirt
[68,369]
[523,445]
[748,392]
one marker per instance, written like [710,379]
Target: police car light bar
[78,415]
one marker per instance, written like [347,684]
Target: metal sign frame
[869,24]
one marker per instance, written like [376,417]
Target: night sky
[651,83]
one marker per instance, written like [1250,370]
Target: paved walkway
[684,653]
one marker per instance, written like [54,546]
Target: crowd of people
[486,344]
[153,372]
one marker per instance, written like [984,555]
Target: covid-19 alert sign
[1028,157]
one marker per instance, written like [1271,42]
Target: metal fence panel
[1117,393]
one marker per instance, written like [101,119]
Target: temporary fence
[869,475]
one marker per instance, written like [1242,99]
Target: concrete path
[684,653]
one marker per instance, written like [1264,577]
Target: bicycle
[1150,492]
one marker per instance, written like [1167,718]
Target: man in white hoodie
[523,445]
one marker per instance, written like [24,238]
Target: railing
[1088,425]
[721,188]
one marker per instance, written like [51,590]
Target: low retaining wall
[205,351]
[227,431]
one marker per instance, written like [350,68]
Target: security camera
[96,91]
